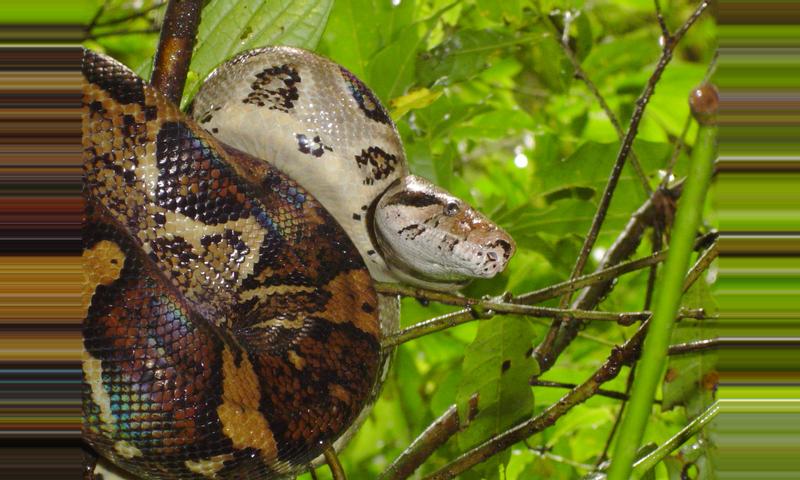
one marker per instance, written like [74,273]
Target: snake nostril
[492,256]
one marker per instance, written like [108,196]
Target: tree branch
[693,347]
[333,463]
[561,335]
[433,437]
[627,354]
[581,74]
[544,452]
[601,392]
[529,298]
[661,23]
[487,309]
[704,104]
[619,356]
[645,464]
[171,64]
[617,420]
[701,265]
[600,276]
[544,351]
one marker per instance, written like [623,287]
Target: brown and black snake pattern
[231,327]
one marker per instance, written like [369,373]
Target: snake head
[433,239]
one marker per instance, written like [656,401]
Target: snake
[316,121]
[231,324]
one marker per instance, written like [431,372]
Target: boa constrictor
[317,122]
[232,329]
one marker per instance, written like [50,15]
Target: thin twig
[601,392]
[171,64]
[603,275]
[627,354]
[701,265]
[651,276]
[487,310]
[693,347]
[704,102]
[617,420]
[627,143]
[333,463]
[560,335]
[661,23]
[562,332]
[581,74]
[131,16]
[424,294]
[680,143]
[544,452]
[100,11]
[433,437]
[645,464]
[528,298]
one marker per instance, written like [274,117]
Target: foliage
[489,107]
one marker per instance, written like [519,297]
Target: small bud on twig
[704,102]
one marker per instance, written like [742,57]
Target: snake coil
[231,327]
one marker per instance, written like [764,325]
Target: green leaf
[692,378]
[551,65]
[230,27]
[559,218]
[464,55]
[352,35]
[622,55]
[497,366]
[392,70]
[583,35]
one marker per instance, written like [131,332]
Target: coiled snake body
[231,329]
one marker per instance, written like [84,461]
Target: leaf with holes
[497,366]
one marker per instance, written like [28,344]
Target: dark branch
[601,392]
[694,347]
[617,420]
[333,463]
[701,265]
[600,276]
[657,239]
[544,351]
[619,357]
[661,23]
[175,46]
[581,74]
[433,437]
[96,17]
[560,335]
[486,310]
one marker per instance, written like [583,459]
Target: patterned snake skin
[231,326]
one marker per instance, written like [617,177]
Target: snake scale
[231,328]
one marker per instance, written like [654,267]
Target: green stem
[651,460]
[650,369]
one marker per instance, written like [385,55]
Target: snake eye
[451,209]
